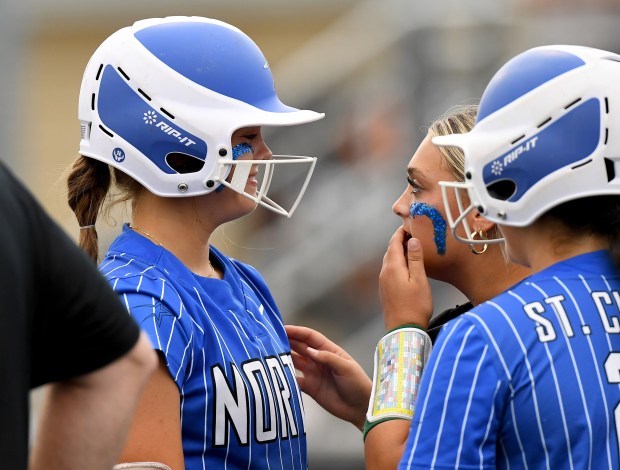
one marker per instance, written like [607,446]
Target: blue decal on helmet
[126,114]
[118,154]
[568,140]
[216,57]
[522,74]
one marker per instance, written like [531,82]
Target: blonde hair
[457,120]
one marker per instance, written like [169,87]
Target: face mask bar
[458,189]
[242,169]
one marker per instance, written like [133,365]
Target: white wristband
[141,466]
[400,358]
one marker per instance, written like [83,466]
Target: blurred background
[381,70]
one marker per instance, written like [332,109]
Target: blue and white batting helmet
[547,132]
[175,87]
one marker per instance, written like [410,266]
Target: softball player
[531,378]
[330,376]
[171,112]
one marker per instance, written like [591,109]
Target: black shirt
[58,316]
[438,320]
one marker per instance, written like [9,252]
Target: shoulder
[494,317]
[140,282]
[487,325]
[117,266]
[244,272]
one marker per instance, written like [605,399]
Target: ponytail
[88,184]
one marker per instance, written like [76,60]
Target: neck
[487,275]
[173,224]
[545,243]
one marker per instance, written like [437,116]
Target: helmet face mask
[242,170]
[545,134]
[161,99]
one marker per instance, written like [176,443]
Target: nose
[402,204]
[262,151]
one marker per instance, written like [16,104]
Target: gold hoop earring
[480,233]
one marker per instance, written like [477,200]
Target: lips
[252,181]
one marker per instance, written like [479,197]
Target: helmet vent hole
[544,122]
[92,102]
[105,130]
[122,72]
[611,169]
[184,163]
[144,94]
[581,164]
[166,113]
[517,139]
[572,103]
[99,72]
[502,190]
[606,106]
[606,134]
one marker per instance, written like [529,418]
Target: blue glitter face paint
[439,223]
[237,151]
[242,149]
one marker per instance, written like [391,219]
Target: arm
[86,419]
[405,299]
[155,434]
[330,376]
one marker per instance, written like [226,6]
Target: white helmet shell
[177,86]
[547,132]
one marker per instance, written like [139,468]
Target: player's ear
[478,222]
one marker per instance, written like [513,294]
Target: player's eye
[414,185]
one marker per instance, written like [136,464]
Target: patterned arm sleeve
[456,418]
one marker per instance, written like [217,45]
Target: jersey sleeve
[459,404]
[160,312]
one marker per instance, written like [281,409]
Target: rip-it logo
[498,166]
[151,118]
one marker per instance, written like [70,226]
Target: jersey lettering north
[529,379]
[226,349]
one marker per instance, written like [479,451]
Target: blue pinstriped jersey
[226,349]
[529,379]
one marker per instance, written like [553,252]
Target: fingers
[298,347]
[395,255]
[402,279]
[312,338]
[338,365]
[300,364]
[415,259]
[307,359]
